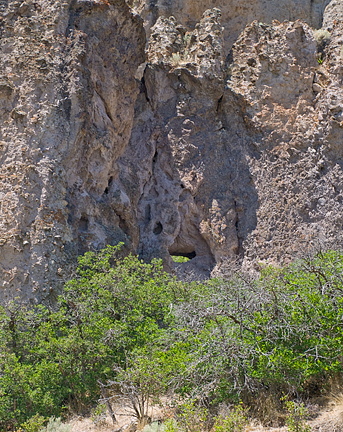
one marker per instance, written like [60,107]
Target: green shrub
[50,358]
[99,414]
[34,424]
[297,414]
[128,323]
[236,421]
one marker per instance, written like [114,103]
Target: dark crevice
[147,215]
[189,255]
[239,250]
[158,228]
[144,90]
[154,159]
[110,181]
[219,103]
[123,225]
[83,223]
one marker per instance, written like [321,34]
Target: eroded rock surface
[239,153]
[236,14]
[220,139]
[67,95]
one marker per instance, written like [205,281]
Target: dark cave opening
[158,228]
[189,255]
[110,180]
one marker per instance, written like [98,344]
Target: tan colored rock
[186,148]
[67,95]
[236,13]
[242,167]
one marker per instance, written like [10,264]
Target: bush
[34,424]
[279,332]
[297,414]
[236,421]
[53,358]
[132,326]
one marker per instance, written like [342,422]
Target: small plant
[296,416]
[170,425]
[99,413]
[34,424]
[56,425]
[191,418]
[320,58]
[180,259]
[236,421]
[175,59]
[322,37]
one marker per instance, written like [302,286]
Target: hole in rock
[154,159]
[83,224]
[188,255]
[158,228]
[110,180]
[219,103]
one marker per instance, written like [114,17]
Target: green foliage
[236,421]
[170,425]
[140,383]
[278,332]
[180,259]
[132,326]
[34,424]
[50,359]
[297,414]
[99,414]
[191,417]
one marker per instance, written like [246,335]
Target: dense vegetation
[127,324]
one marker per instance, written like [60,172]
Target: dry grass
[328,419]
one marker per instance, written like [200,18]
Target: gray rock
[215,140]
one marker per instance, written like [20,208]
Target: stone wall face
[67,96]
[236,14]
[219,138]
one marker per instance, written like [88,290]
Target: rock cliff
[206,129]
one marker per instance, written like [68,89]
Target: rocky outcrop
[67,95]
[238,153]
[215,140]
[236,14]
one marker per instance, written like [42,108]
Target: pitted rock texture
[236,13]
[67,95]
[240,155]
[198,142]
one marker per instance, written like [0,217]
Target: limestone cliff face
[218,138]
